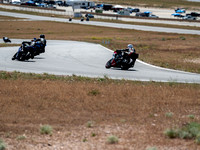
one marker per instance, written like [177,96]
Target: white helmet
[130,46]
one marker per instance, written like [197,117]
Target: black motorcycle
[6,40]
[124,62]
[27,51]
[23,54]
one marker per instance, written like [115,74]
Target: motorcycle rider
[34,47]
[41,43]
[124,53]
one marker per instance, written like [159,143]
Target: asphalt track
[87,59]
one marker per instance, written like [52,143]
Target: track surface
[86,59]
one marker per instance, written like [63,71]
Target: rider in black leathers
[35,47]
[124,54]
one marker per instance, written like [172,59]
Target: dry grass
[162,49]
[3,18]
[68,105]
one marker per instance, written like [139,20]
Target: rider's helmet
[130,46]
[42,36]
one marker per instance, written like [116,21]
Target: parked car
[153,16]
[194,14]
[180,10]
[146,14]
[99,6]
[136,10]
[107,7]
[89,15]
[16,3]
[177,15]
[29,3]
[133,9]
[189,18]
[141,14]
[59,3]
[42,5]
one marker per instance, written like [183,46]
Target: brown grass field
[135,112]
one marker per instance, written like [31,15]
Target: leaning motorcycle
[125,62]
[22,54]
[6,40]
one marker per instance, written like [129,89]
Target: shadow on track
[123,70]
[39,58]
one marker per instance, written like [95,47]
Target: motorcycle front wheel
[108,64]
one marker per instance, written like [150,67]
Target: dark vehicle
[146,14]
[124,62]
[133,9]
[87,19]
[6,40]
[193,14]
[143,14]
[23,53]
[59,3]
[107,7]
[89,15]
[99,6]
[50,2]
[29,3]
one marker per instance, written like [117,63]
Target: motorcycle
[6,40]
[22,54]
[122,60]
[27,51]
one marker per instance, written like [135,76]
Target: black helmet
[42,36]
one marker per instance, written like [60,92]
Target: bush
[171,133]
[112,139]
[152,148]
[189,131]
[94,92]
[85,140]
[93,134]
[197,140]
[169,114]
[2,145]
[90,124]
[21,137]
[191,116]
[182,38]
[46,129]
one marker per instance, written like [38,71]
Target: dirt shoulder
[135,112]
